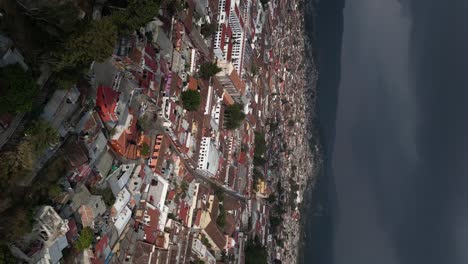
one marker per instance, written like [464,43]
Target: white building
[208,159]
[229,41]
[52,230]
[119,178]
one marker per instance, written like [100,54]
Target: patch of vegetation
[221,219]
[135,15]
[54,192]
[19,222]
[191,100]
[219,193]
[255,252]
[206,242]
[260,149]
[106,194]
[144,150]
[143,123]
[208,29]
[95,42]
[234,116]
[17,89]
[42,135]
[208,69]
[86,239]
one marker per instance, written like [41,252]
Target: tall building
[229,43]
[230,80]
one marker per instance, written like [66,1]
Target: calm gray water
[393,107]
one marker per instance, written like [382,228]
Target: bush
[191,100]
[17,89]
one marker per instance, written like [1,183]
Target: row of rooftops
[148,170]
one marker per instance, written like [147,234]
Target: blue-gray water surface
[393,105]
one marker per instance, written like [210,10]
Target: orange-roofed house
[106,103]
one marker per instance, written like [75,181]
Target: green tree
[234,116]
[86,239]
[144,150]
[55,18]
[136,15]
[95,42]
[208,29]
[17,89]
[260,149]
[255,252]
[191,100]
[54,192]
[208,69]
[106,194]
[221,219]
[218,192]
[41,135]
[19,222]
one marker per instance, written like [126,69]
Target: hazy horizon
[396,172]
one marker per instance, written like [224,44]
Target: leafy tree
[17,89]
[106,194]
[221,219]
[255,253]
[260,149]
[136,15]
[95,42]
[19,222]
[191,100]
[208,69]
[86,239]
[233,116]
[54,192]
[208,29]
[41,135]
[55,18]
[219,193]
[206,242]
[144,150]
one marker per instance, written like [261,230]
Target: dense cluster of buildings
[157,183]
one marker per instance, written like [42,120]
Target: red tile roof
[151,229]
[106,102]
[183,212]
[99,250]
[193,84]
